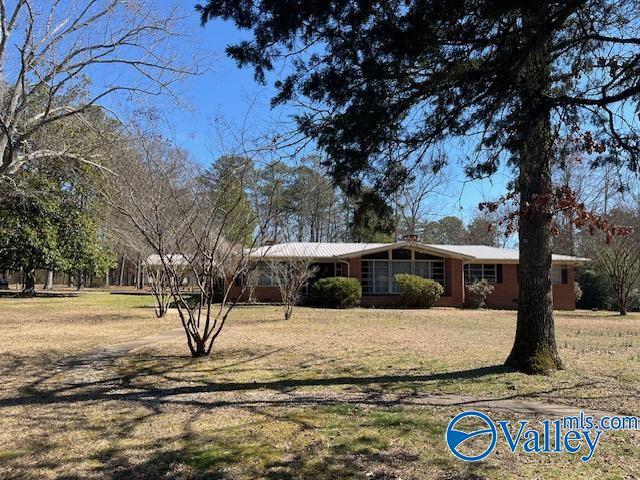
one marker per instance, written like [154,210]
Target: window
[379,269]
[422,269]
[401,254]
[425,256]
[323,270]
[399,267]
[380,276]
[367,277]
[559,274]
[378,255]
[430,269]
[474,272]
[265,276]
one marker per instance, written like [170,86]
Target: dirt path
[93,367]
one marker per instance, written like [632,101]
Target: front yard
[329,394]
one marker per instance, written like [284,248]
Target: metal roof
[174,259]
[328,250]
[484,252]
[315,249]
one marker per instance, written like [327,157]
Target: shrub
[477,293]
[416,291]
[338,292]
[596,290]
[192,299]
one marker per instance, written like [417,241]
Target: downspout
[345,262]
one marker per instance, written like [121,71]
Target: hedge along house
[375,264]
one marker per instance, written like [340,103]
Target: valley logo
[456,438]
[472,436]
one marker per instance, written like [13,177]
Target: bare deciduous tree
[159,282]
[160,196]
[601,190]
[251,280]
[410,202]
[216,262]
[145,213]
[291,275]
[47,51]
[621,261]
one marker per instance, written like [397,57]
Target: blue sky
[231,93]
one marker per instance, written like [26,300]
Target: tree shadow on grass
[212,463]
[167,387]
[191,456]
[104,389]
[161,380]
[250,450]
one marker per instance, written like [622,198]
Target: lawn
[328,394]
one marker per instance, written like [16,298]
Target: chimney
[411,237]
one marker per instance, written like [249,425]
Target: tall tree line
[308,207]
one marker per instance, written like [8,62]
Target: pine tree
[389,80]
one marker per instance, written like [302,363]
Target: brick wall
[564,296]
[454,284]
[505,294]
[263,294]
[355,268]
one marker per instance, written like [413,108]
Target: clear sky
[229,93]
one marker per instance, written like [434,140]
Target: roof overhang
[575,261]
[413,245]
[431,249]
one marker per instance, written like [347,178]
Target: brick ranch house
[375,264]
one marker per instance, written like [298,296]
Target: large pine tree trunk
[534,349]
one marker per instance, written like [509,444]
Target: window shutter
[499,273]
[565,275]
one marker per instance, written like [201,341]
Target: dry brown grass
[159,414]
[36,326]
[358,348]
